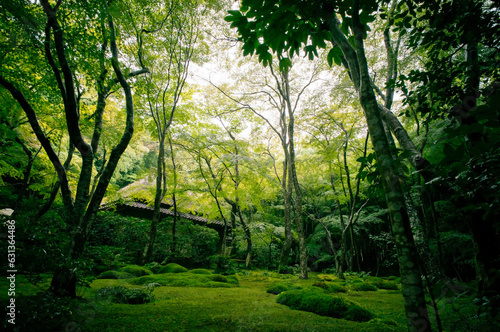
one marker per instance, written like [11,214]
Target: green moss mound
[323,304]
[358,314]
[115,275]
[279,287]
[335,288]
[120,294]
[172,268]
[136,270]
[362,286]
[200,271]
[330,287]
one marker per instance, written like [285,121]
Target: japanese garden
[250,165]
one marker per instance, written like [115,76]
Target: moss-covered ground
[200,300]
[195,302]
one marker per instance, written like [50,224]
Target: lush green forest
[299,165]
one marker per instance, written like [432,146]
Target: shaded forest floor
[221,304]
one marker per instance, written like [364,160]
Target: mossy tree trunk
[413,292]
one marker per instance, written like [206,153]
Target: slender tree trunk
[299,222]
[174,198]
[287,245]
[159,195]
[342,258]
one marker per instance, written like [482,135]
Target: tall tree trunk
[413,292]
[287,196]
[299,222]
[174,198]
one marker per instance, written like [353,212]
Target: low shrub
[200,271]
[136,270]
[115,275]
[323,304]
[172,268]
[124,295]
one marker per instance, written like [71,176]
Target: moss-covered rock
[115,275]
[136,270]
[172,268]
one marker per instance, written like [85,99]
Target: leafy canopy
[267,27]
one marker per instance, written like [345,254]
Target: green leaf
[285,63]
[334,55]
